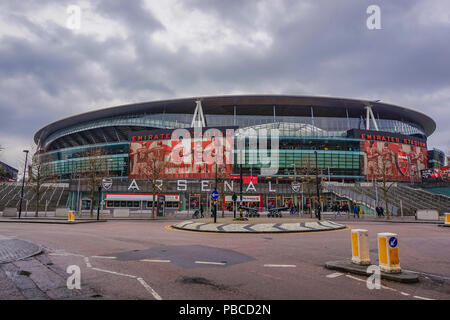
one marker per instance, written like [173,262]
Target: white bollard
[360,247]
[388,252]
[447,218]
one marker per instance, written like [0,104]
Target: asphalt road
[148,260]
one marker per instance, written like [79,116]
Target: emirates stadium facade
[342,139]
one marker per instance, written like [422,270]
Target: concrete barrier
[360,247]
[389,260]
[121,213]
[427,215]
[10,212]
[71,216]
[62,212]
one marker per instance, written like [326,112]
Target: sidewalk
[12,249]
[25,274]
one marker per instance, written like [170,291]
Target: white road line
[116,273]
[210,262]
[88,264]
[149,289]
[404,293]
[103,257]
[141,281]
[387,288]
[150,260]
[418,297]
[334,275]
[355,278]
[280,265]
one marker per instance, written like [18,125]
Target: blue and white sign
[215,195]
[393,242]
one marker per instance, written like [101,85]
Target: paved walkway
[12,249]
[259,227]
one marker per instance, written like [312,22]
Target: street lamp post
[23,182]
[99,200]
[317,187]
[240,186]
[215,202]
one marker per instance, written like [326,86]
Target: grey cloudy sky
[142,50]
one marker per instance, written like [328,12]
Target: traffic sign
[393,242]
[215,195]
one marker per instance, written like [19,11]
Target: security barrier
[360,247]
[71,216]
[388,252]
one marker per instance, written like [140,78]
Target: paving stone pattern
[260,227]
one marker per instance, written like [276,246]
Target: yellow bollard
[71,216]
[388,252]
[447,218]
[360,247]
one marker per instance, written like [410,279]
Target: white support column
[198,120]
[369,115]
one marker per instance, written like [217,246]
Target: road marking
[149,289]
[418,297]
[387,288]
[88,264]
[140,280]
[280,265]
[384,287]
[355,278]
[334,275]
[65,254]
[210,262]
[103,257]
[149,260]
[116,273]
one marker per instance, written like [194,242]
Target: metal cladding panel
[252,105]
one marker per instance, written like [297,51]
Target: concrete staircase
[400,197]
[52,196]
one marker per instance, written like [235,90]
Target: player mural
[192,158]
[401,162]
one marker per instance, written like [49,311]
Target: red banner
[400,162]
[172,159]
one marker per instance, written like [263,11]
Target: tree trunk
[153,199]
[91,212]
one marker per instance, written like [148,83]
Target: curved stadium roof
[251,104]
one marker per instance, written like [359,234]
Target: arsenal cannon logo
[402,162]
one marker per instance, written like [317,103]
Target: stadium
[340,140]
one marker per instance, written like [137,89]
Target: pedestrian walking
[201,211]
[356,211]
[381,211]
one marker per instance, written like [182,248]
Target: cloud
[133,51]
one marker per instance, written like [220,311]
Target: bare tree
[221,176]
[381,172]
[37,176]
[153,170]
[308,180]
[94,170]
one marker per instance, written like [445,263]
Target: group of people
[339,208]
[380,211]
